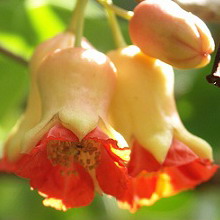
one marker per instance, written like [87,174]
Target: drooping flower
[33,110]
[165,158]
[162,29]
[69,153]
[67,171]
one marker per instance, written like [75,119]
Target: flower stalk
[116,31]
[77,22]
[127,15]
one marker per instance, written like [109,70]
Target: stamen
[64,153]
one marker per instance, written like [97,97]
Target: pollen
[64,153]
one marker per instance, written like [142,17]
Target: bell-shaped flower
[165,158]
[69,153]
[33,110]
[163,30]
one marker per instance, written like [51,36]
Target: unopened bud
[161,29]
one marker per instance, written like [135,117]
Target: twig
[127,15]
[208,10]
[214,77]
[13,56]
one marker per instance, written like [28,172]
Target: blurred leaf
[13,88]
[199,103]
[97,29]
[45,23]
[15,22]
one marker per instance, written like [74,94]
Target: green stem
[116,30]
[77,22]
[127,15]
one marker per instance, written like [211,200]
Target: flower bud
[161,29]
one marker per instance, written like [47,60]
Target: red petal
[97,133]
[141,160]
[34,166]
[111,172]
[112,177]
[58,132]
[181,170]
[74,189]
[179,154]
[145,186]
[189,175]
[141,187]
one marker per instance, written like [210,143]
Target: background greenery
[23,25]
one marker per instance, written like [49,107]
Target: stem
[127,15]
[77,22]
[13,56]
[116,31]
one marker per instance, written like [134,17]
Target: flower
[161,29]
[165,158]
[33,110]
[66,171]
[68,154]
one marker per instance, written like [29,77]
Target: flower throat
[64,153]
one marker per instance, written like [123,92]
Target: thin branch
[127,15]
[13,56]
[214,77]
[208,10]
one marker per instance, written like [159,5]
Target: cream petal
[75,86]
[139,108]
[33,112]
